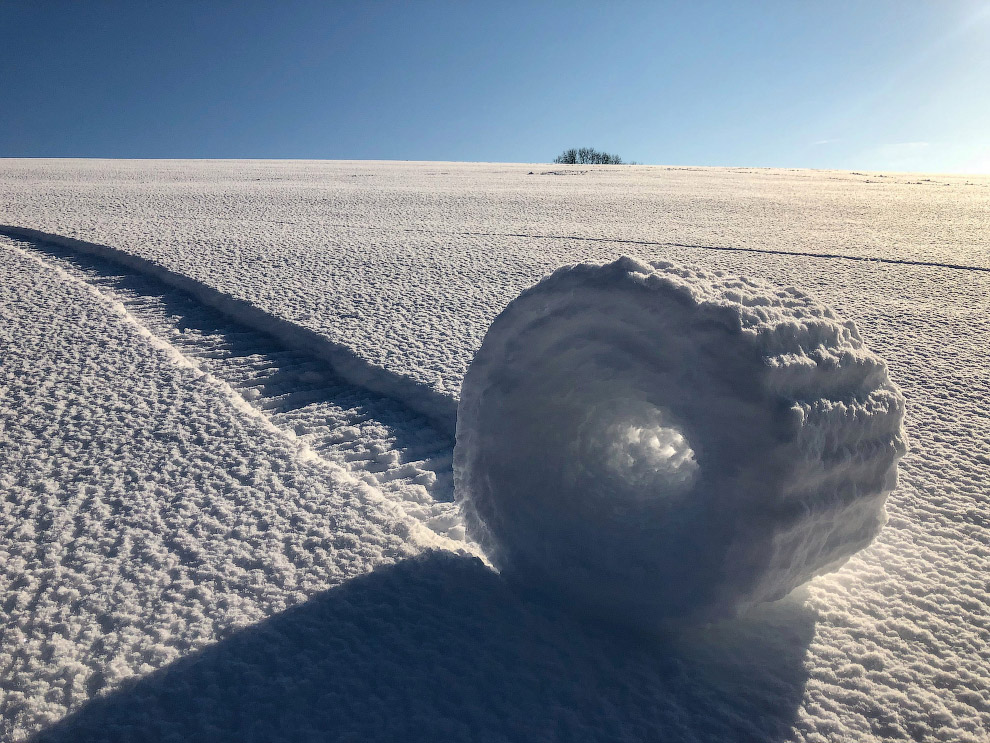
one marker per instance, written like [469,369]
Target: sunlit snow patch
[653,441]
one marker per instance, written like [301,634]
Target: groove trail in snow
[373,437]
[659,244]
[736,249]
[440,408]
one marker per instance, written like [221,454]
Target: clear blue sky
[900,85]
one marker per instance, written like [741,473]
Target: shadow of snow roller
[652,442]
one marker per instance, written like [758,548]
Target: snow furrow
[374,438]
[660,244]
[439,408]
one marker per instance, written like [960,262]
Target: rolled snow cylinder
[656,442]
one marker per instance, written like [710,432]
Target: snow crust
[145,508]
[656,441]
[405,265]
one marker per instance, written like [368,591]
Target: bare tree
[586,156]
[567,157]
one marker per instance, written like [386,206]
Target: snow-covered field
[227,393]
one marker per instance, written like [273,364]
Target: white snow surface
[658,442]
[217,425]
[147,509]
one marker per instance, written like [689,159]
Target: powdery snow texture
[406,265]
[656,441]
[144,511]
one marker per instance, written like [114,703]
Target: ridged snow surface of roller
[657,441]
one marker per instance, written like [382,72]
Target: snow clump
[655,442]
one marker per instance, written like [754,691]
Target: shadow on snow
[440,648]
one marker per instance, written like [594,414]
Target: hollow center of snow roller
[646,454]
[659,452]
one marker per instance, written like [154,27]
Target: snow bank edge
[441,409]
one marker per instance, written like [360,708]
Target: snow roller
[653,442]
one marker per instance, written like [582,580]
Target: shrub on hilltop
[586,156]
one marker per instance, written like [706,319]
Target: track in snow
[658,244]
[440,408]
[373,437]
[736,249]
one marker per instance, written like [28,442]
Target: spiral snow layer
[656,442]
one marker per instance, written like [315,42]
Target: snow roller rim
[644,528]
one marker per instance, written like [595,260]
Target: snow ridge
[290,394]
[439,408]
